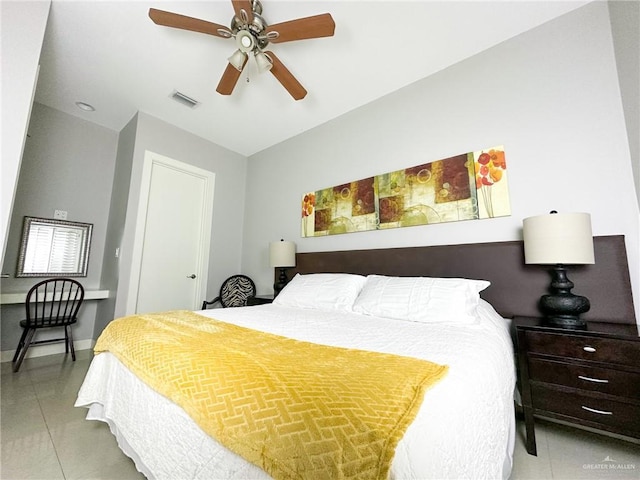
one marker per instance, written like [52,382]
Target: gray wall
[227,230]
[115,228]
[550,95]
[68,164]
[625,26]
[94,174]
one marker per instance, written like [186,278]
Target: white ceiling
[111,55]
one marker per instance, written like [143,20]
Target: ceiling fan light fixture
[252,35]
[238,59]
[245,41]
[262,61]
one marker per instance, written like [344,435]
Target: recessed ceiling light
[85,106]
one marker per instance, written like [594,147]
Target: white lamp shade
[282,254]
[555,238]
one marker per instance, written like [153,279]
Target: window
[54,247]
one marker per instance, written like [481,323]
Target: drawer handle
[589,379]
[593,410]
[589,349]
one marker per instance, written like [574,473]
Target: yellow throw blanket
[295,409]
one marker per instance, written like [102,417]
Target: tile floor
[44,437]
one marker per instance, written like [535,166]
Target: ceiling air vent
[184,99]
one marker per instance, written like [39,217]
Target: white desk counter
[15,298]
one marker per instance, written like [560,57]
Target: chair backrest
[54,302]
[235,291]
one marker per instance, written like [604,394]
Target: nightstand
[259,300]
[588,377]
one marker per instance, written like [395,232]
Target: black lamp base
[281,283]
[561,307]
[564,322]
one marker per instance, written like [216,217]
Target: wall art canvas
[469,186]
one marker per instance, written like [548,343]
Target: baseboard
[43,350]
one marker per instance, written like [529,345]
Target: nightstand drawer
[587,377]
[603,380]
[583,347]
[617,416]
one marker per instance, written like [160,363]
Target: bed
[463,426]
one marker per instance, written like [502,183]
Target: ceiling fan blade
[229,79]
[175,20]
[284,76]
[239,6]
[303,28]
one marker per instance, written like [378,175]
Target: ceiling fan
[252,35]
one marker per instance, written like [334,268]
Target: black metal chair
[234,292]
[51,303]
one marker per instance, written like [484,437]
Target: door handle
[192,276]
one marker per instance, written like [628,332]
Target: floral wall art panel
[464,187]
[491,183]
[346,208]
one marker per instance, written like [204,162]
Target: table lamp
[282,255]
[560,239]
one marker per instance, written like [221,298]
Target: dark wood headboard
[515,287]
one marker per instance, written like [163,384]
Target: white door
[176,228]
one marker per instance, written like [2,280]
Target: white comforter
[464,429]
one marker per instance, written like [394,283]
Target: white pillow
[324,291]
[421,299]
